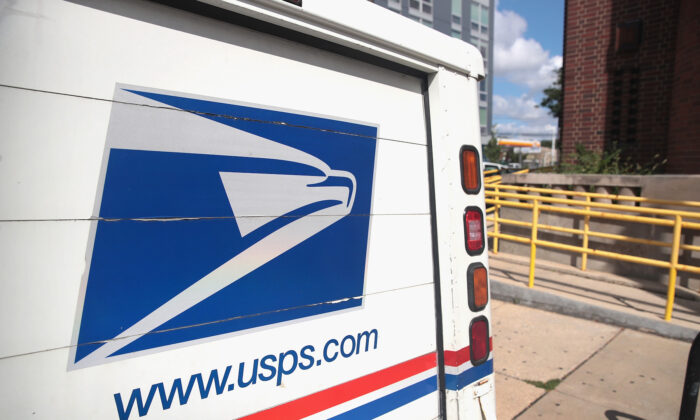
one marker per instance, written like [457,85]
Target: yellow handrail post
[495,223]
[586,225]
[533,239]
[673,270]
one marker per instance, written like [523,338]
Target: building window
[628,36]
[421,11]
[457,12]
[456,34]
[484,16]
[475,26]
[482,116]
[625,105]
[457,8]
[395,4]
[476,12]
[482,97]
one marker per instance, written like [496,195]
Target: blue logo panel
[217,218]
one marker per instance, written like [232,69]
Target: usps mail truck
[239,209]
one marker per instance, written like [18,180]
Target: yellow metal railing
[583,204]
[493,177]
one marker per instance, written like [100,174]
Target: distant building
[631,77]
[468,20]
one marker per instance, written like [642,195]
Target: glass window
[475,26]
[413,4]
[482,97]
[427,8]
[456,34]
[475,12]
[457,8]
[456,19]
[485,16]
[427,23]
[484,30]
[482,116]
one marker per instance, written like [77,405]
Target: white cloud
[524,62]
[509,26]
[522,116]
[523,108]
[526,130]
[521,60]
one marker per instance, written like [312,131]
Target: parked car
[490,166]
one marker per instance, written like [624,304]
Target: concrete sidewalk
[590,370]
[612,299]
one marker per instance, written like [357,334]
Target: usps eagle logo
[214,217]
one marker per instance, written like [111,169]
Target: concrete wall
[667,187]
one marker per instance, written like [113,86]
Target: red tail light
[478,285]
[479,340]
[474,230]
[469,159]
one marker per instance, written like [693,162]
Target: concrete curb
[541,300]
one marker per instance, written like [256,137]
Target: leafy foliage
[492,151]
[552,96]
[547,386]
[610,161]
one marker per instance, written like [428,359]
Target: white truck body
[235,209]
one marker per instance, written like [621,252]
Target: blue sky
[528,47]
[545,20]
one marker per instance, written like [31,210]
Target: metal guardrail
[499,195]
[493,176]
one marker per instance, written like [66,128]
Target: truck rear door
[201,219]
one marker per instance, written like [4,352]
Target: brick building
[631,77]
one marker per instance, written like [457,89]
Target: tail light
[479,340]
[474,230]
[469,160]
[478,285]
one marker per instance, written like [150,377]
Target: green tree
[492,151]
[553,97]
[609,161]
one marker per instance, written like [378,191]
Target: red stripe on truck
[461,356]
[323,400]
